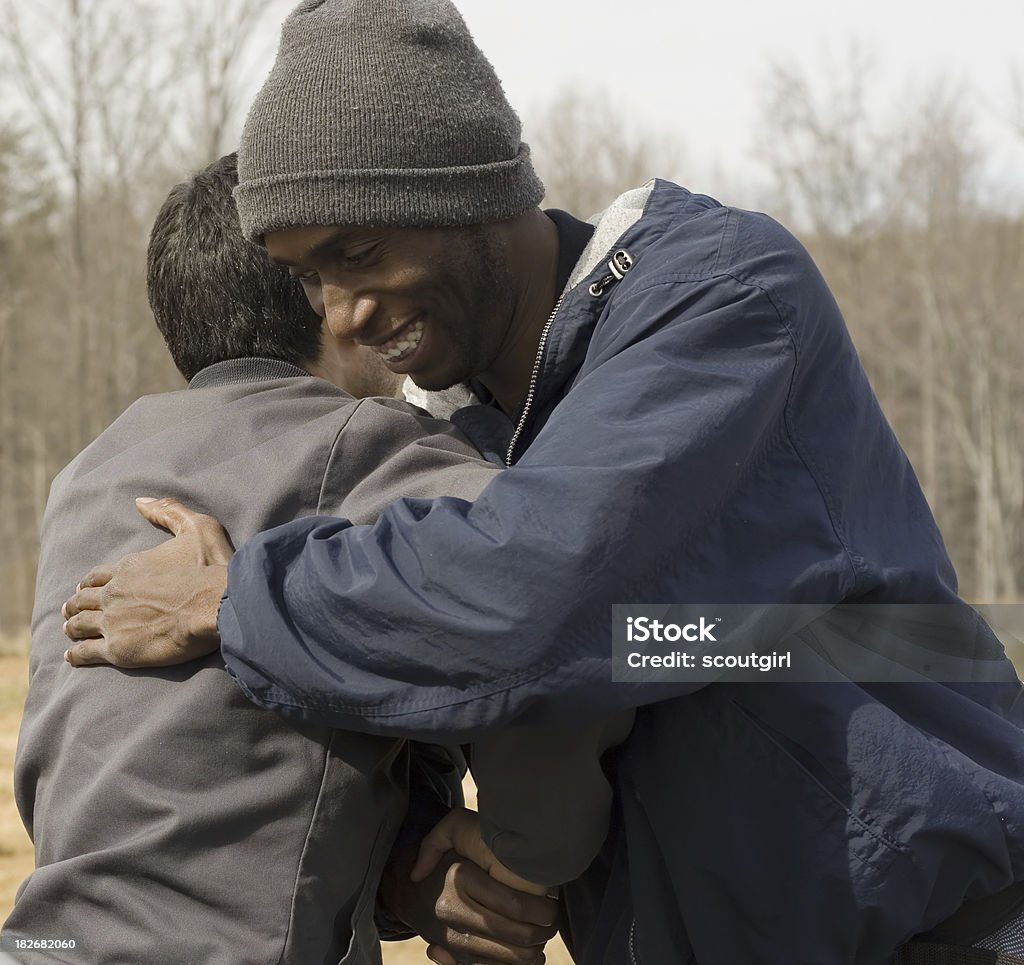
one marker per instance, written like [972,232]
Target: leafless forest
[102,112]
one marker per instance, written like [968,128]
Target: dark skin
[465,915]
[481,295]
[439,305]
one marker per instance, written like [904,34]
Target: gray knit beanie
[381,112]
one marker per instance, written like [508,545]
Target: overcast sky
[698,69]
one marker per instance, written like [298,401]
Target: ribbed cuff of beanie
[409,198]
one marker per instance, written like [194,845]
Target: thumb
[433,847]
[168,513]
[213,541]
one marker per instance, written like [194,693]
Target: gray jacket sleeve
[388,450]
[544,797]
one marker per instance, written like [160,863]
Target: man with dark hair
[216,297]
[250,312]
[685,421]
[173,821]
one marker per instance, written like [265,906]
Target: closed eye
[360,254]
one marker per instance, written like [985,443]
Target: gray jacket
[174,821]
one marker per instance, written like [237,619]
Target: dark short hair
[214,295]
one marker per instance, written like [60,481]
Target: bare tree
[930,280]
[587,156]
[27,250]
[214,46]
[114,105]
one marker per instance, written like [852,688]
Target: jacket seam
[329,460]
[798,447]
[280,698]
[805,457]
[880,836]
[305,847]
[728,231]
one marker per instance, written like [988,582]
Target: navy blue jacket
[703,431]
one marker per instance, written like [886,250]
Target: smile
[403,344]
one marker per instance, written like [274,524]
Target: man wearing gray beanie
[408,126]
[685,420]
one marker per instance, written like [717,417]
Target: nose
[347,313]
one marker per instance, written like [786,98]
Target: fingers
[441,956]
[86,598]
[536,911]
[459,831]
[98,576]
[474,902]
[87,653]
[84,624]
[173,516]
[435,845]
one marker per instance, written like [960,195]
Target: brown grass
[16,849]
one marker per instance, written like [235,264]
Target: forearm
[544,797]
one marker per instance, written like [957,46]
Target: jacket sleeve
[447,618]
[544,798]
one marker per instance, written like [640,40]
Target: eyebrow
[334,240]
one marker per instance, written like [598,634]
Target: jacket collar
[240,371]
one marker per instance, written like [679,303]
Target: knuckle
[458,939]
[455,876]
[92,578]
[444,908]
[205,522]
[464,872]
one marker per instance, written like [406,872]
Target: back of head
[214,295]
[383,113]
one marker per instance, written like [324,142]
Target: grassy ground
[16,850]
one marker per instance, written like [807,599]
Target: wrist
[205,605]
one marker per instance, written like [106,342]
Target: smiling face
[436,304]
[354,368]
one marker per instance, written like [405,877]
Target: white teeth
[402,344]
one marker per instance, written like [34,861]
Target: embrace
[250,749]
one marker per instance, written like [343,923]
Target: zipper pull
[618,265]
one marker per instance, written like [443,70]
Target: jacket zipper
[532,390]
[618,265]
[632,944]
